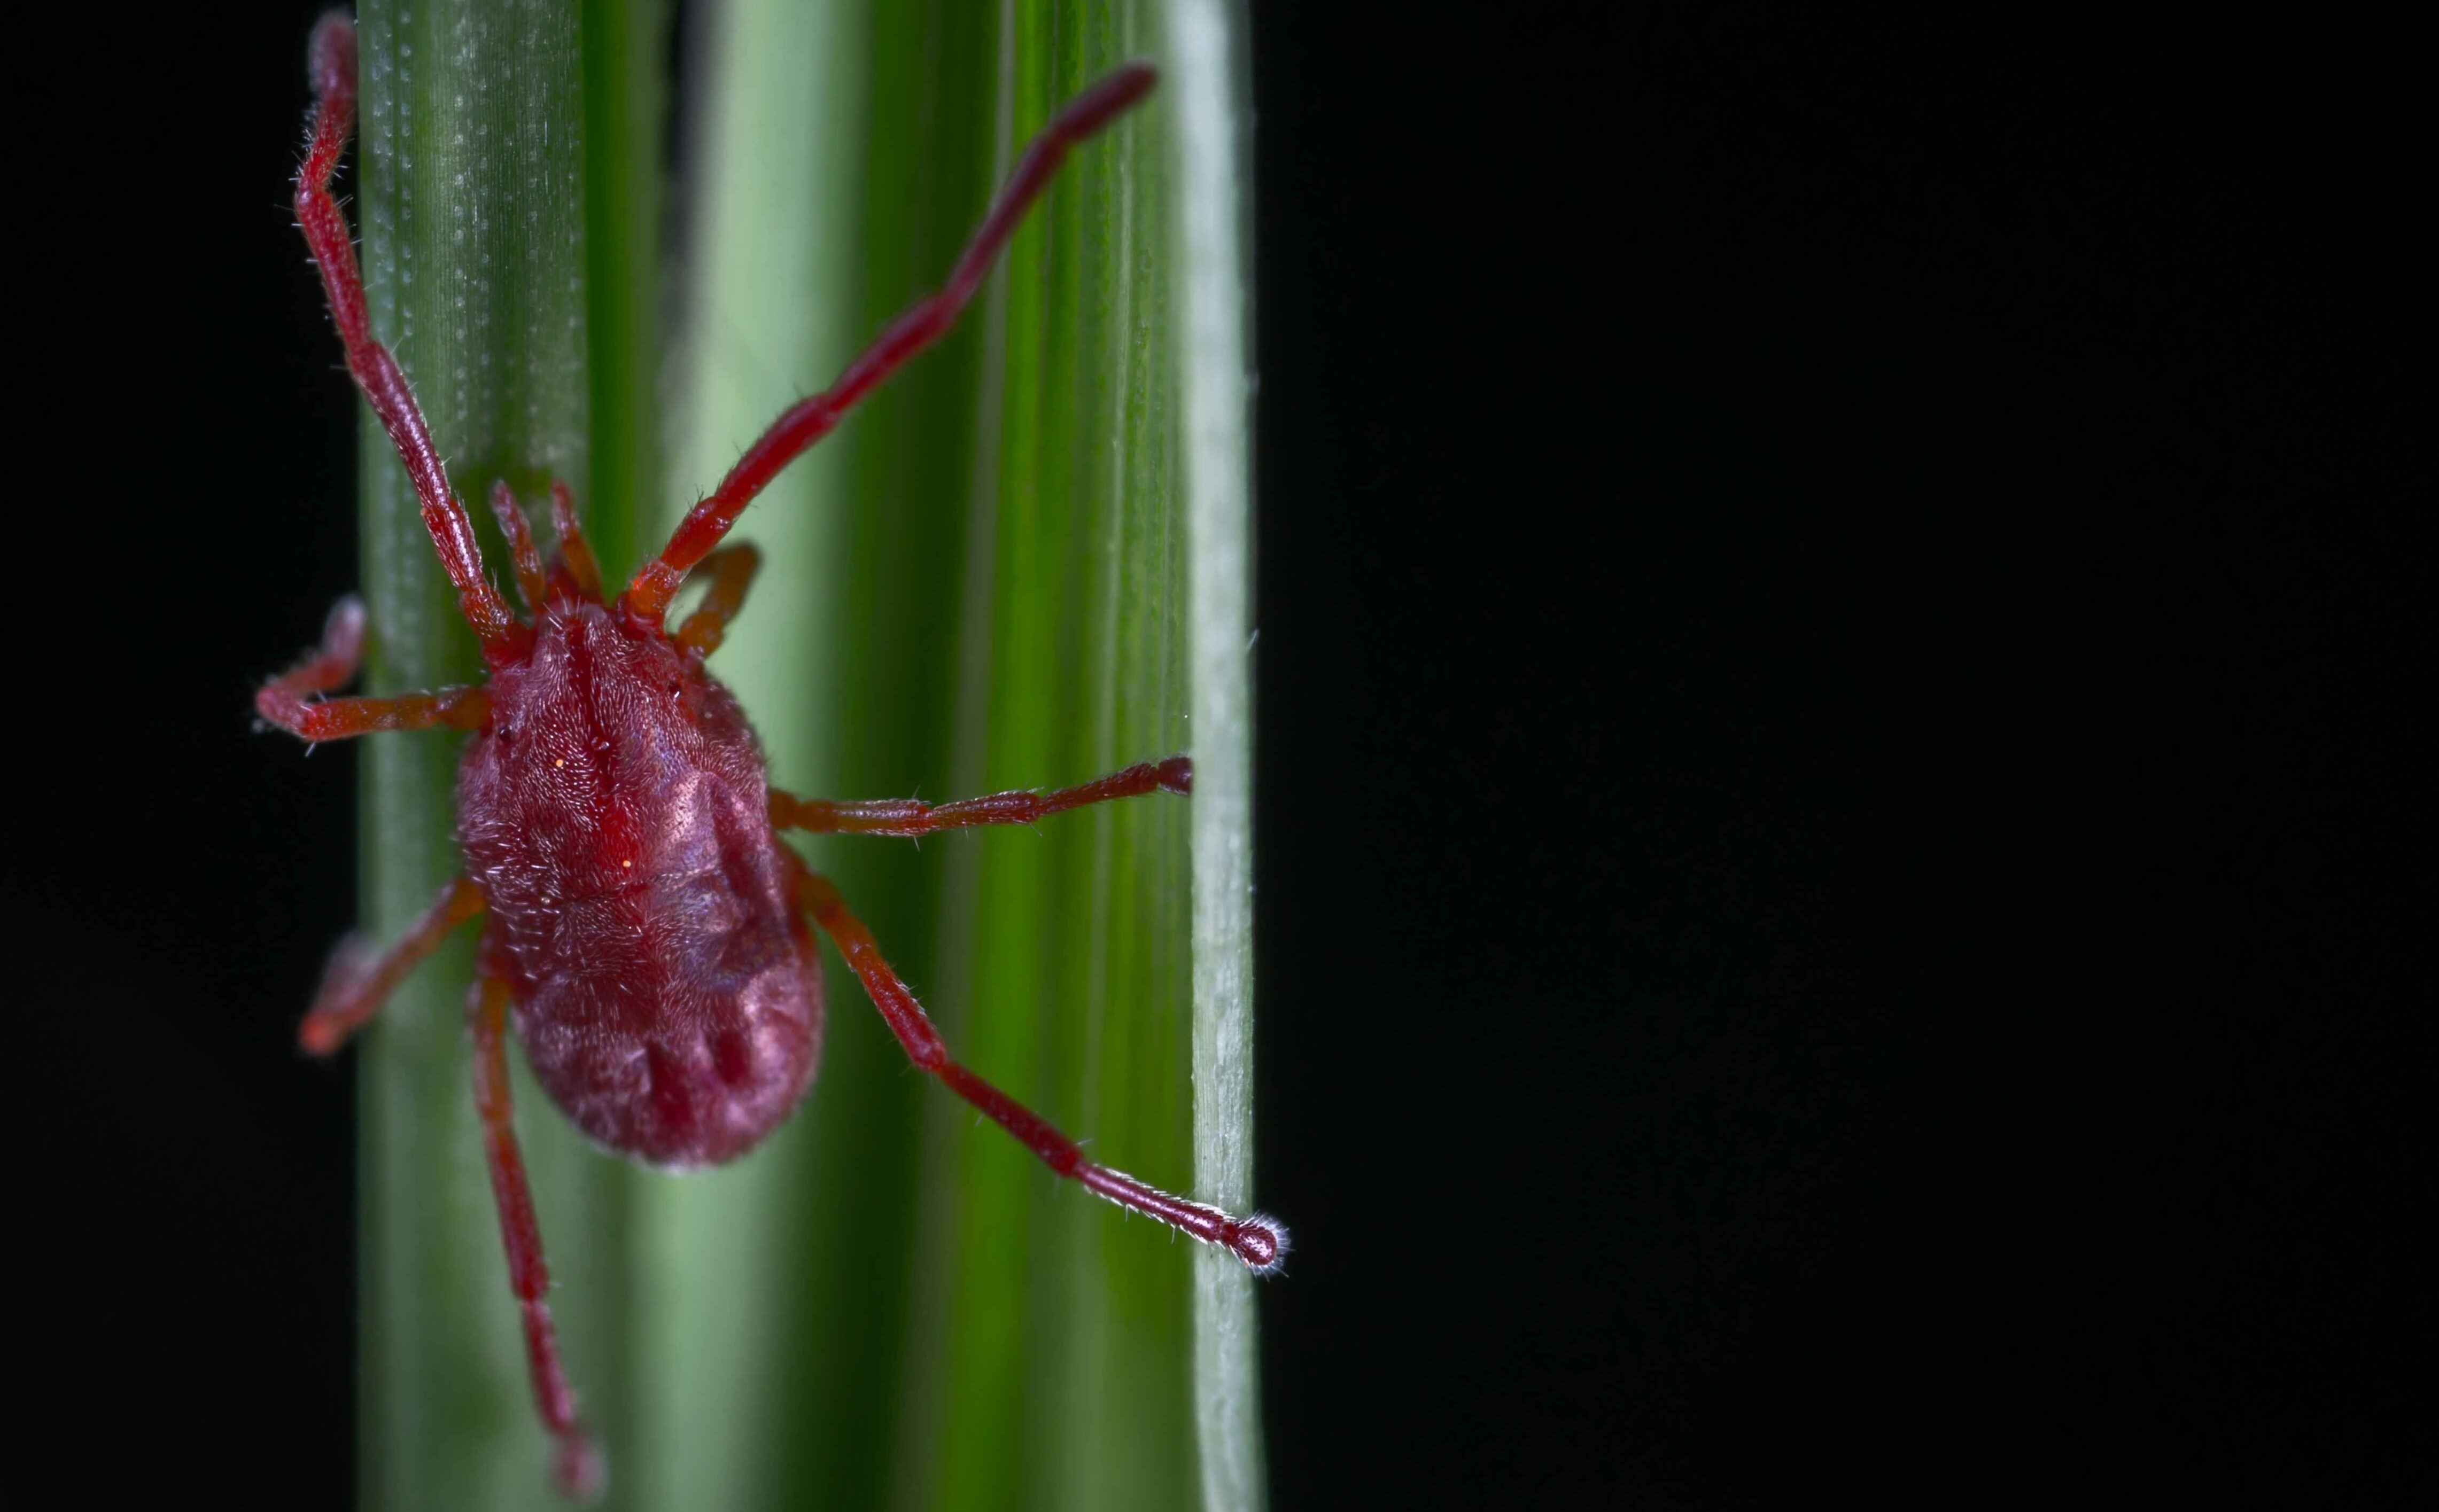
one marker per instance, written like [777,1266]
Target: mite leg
[330,59]
[575,552]
[930,318]
[732,570]
[460,708]
[911,816]
[355,985]
[531,586]
[332,663]
[286,701]
[577,1468]
[1260,1242]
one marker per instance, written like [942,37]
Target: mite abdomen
[675,1047]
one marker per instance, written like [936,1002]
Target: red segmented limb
[732,570]
[460,708]
[575,552]
[331,665]
[578,1468]
[531,586]
[924,322]
[353,989]
[911,816]
[1260,1242]
[331,62]
[286,699]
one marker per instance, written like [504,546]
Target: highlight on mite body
[644,930]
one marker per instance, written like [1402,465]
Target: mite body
[616,817]
[645,930]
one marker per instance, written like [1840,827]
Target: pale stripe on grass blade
[1214,267]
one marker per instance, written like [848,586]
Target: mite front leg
[577,1468]
[911,816]
[460,708]
[806,421]
[330,62]
[1260,1242]
[354,987]
[288,701]
[331,665]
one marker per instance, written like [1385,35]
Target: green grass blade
[473,185]
[626,87]
[983,581]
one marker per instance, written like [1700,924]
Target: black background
[1842,881]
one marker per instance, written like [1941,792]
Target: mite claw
[343,633]
[1260,1241]
[579,1472]
[324,1028]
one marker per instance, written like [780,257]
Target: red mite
[642,921]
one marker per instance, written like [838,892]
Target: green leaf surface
[470,186]
[1022,564]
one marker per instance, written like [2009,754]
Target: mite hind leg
[577,1467]
[1261,1242]
[911,816]
[356,983]
[289,700]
